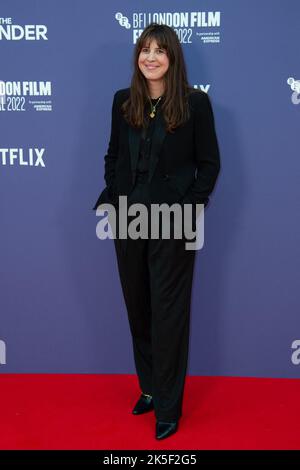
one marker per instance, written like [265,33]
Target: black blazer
[183,166]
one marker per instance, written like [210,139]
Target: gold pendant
[152,114]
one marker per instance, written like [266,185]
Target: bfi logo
[2,352]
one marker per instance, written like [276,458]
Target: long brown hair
[176,87]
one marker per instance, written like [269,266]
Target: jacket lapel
[134,136]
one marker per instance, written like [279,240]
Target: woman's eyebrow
[147,47]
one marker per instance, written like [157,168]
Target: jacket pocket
[174,186]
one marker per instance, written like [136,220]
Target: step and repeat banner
[61,304]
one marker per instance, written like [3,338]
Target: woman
[163,149]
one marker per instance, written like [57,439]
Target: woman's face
[153,61]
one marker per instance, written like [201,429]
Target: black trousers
[156,278]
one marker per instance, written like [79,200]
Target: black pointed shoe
[164,429]
[143,405]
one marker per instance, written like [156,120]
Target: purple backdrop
[61,305]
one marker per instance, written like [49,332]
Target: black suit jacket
[183,166]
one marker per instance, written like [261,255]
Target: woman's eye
[161,51]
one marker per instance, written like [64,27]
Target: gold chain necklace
[153,107]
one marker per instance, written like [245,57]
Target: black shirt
[146,138]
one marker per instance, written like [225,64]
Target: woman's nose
[151,55]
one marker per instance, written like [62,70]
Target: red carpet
[79,411]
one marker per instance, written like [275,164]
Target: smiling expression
[153,61]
